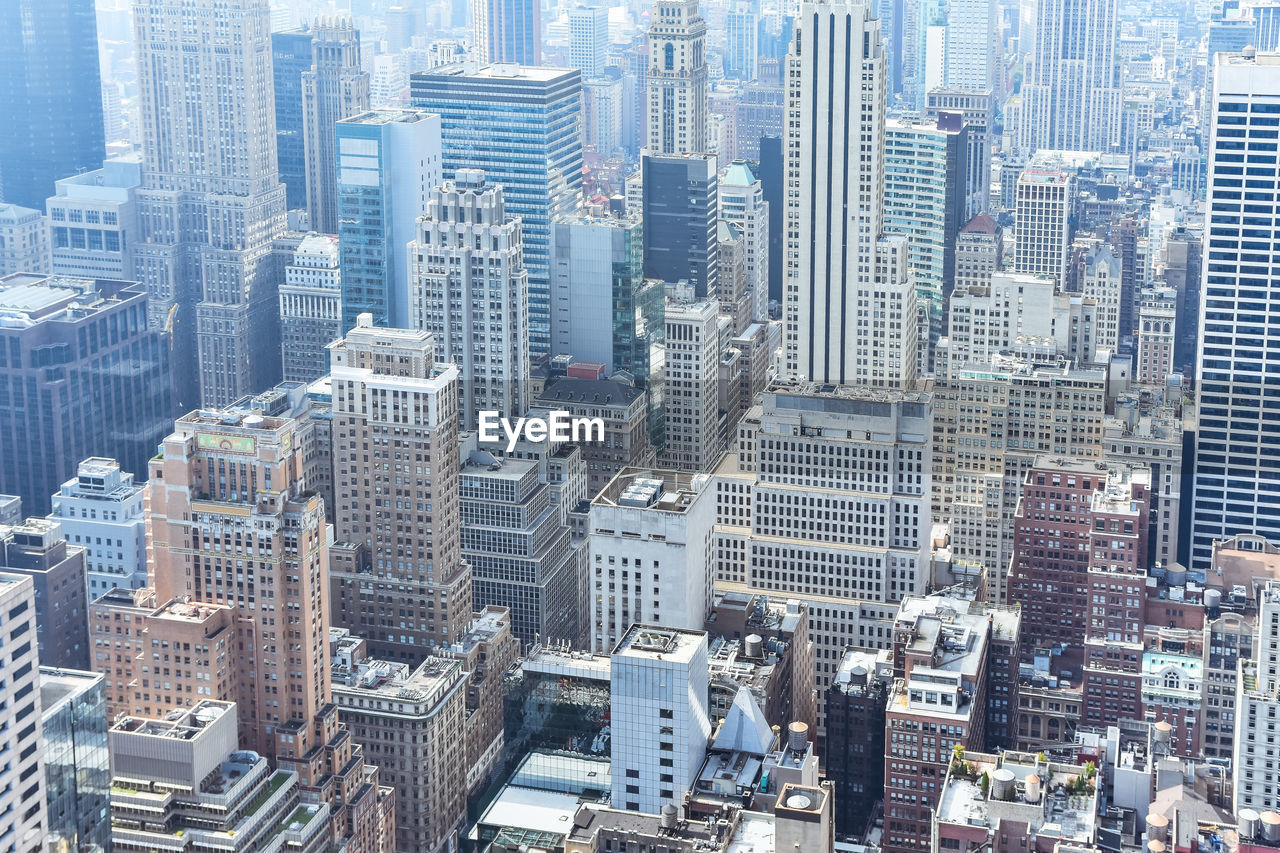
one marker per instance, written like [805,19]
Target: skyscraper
[1237,472]
[23,812]
[742,204]
[849,307]
[507,31]
[310,308]
[588,39]
[290,58]
[521,126]
[680,212]
[211,199]
[470,291]
[398,576]
[1071,98]
[742,53]
[972,36]
[49,88]
[93,221]
[1044,207]
[388,162]
[677,79]
[333,88]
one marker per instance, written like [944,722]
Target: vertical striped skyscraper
[677,79]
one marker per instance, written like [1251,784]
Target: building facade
[25,816]
[101,510]
[310,308]
[77,773]
[334,87]
[677,79]
[93,221]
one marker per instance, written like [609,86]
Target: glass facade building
[520,125]
[681,211]
[291,56]
[77,769]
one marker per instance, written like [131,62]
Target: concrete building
[77,773]
[101,511]
[1148,430]
[677,79]
[212,286]
[487,651]
[24,241]
[24,817]
[976,108]
[409,720]
[404,593]
[37,549]
[1100,278]
[334,87]
[979,252]
[742,204]
[1157,335]
[93,221]
[388,163]
[588,40]
[660,724]
[854,745]
[469,290]
[310,308]
[1044,206]
[694,440]
[651,554]
[625,411]
[1255,775]
[507,32]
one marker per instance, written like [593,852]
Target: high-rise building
[470,290]
[680,212]
[520,125]
[24,241]
[1237,473]
[388,163]
[1157,319]
[77,773]
[651,554]
[603,111]
[24,816]
[977,112]
[77,408]
[49,85]
[100,510]
[310,308]
[211,283]
[742,204]
[290,58]
[588,39]
[507,32]
[659,718]
[333,88]
[398,577]
[691,399]
[36,548]
[93,221]
[1043,220]
[979,253]
[1071,96]
[1100,279]
[625,409]
[849,306]
[1255,775]
[973,35]
[677,79]
[854,745]
[742,30]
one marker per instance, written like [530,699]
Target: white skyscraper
[23,813]
[849,307]
[677,79]
[470,290]
[743,205]
[1256,775]
[310,308]
[588,39]
[1071,99]
[971,41]
[100,510]
[692,396]
[1045,199]
[211,199]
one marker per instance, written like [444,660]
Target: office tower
[333,88]
[507,32]
[412,718]
[310,308]
[854,744]
[290,59]
[973,34]
[77,773]
[1043,220]
[77,409]
[211,285]
[979,253]
[659,719]
[650,543]
[185,777]
[36,548]
[50,89]
[1100,280]
[626,410]
[588,39]
[1157,316]
[23,810]
[677,79]
[830,335]
[844,527]
[388,163]
[1255,776]
[759,113]
[1147,429]
[398,577]
[487,652]
[694,439]
[742,204]
[24,241]
[680,211]
[772,171]
[520,126]
[93,221]
[731,280]
[945,656]
[977,111]
[603,110]
[924,185]
[1052,582]
[1237,482]
[470,291]
[1071,96]
[597,266]
[100,510]
[10,510]
[1182,273]
[742,54]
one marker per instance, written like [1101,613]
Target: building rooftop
[499,71]
[378,118]
[653,643]
[59,685]
[180,723]
[652,489]
[30,298]
[601,392]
